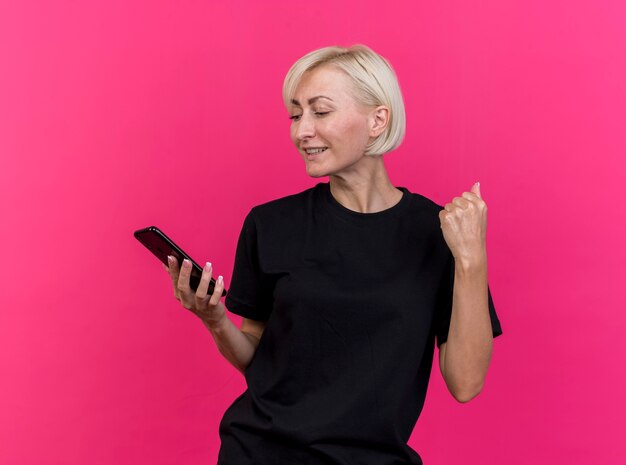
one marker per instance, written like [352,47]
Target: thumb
[476,189]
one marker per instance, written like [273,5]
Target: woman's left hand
[464,226]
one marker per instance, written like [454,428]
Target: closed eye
[317,113]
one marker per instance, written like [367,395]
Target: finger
[172,266]
[173,271]
[203,287]
[443,216]
[460,202]
[183,277]
[476,190]
[217,291]
[471,197]
[475,200]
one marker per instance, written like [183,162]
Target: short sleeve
[444,306]
[249,294]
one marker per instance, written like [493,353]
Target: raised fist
[464,226]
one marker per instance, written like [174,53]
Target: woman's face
[325,115]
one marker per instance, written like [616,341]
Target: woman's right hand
[207,307]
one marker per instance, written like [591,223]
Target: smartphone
[161,246]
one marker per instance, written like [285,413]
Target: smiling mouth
[316,150]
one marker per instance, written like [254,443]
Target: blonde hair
[375,84]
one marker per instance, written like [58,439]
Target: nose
[305,127]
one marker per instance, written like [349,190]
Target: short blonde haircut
[375,84]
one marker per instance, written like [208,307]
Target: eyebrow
[311,100]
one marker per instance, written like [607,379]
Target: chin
[316,173]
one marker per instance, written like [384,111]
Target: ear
[379,119]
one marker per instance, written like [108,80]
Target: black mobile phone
[161,246]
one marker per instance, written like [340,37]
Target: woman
[344,288]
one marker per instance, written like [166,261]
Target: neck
[366,189]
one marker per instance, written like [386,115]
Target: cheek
[354,133]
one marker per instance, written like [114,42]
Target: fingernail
[186,262]
[220,279]
[170,259]
[208,265]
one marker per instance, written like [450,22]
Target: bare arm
[464,358]
[237,345]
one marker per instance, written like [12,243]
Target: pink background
[116,115]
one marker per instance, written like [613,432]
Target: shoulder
[284,211]
[424,207]
[277,222]
[422,216]
[421,201]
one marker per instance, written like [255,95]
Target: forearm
[470,338]
[236,346]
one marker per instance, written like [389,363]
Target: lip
[312,156]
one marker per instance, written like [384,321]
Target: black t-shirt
[352,304]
